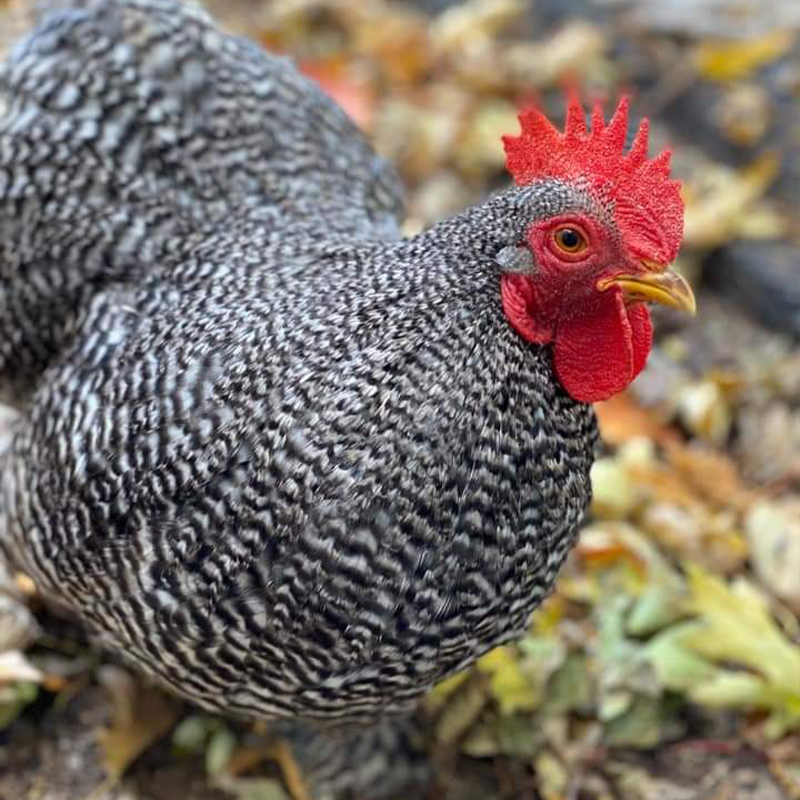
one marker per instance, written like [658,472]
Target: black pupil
[570,239]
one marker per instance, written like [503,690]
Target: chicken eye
[570,240]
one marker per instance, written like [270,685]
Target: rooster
[279,458]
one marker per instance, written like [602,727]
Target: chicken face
[607,225]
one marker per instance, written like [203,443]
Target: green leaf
[520,736]
[658,606]
[735,626]
[219,751]
[676,667]
[643,724]
[732,654]
[254,789]
[13,699]
[726,688]
[570,688]
[192,733]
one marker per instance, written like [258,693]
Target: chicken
[282,460]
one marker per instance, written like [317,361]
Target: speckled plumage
[283,460]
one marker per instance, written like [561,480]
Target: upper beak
[658,284]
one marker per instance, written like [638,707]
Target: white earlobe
[516,259]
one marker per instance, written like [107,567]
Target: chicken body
[284,461]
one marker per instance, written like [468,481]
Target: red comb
[647,204]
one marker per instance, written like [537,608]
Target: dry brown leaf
[480,148]
[518,67]
[420,133]
[745,113]
[704,409]
[693,533]
[773,531]
[575,49]
[141,717]
[690,502]
[610,543]
[472,28]
[394,37]
[355,96]
[783,758]
[621,419]
[712,474]
[719,200]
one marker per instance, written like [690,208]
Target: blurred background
[667,665]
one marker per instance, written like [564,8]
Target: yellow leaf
[461,711]
[737,628]
[510,687]
[730,60]
[446,687]
[613,494]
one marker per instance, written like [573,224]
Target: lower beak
[657,285]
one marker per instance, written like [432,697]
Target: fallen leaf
[719,200]
[570,688]
[773,533]
[740,628]
[253,788]
[735,59]
[614,494]
[219,751]
[394,37]
[353,95]
[479,149]
[18,626]
[192,733]
[745,113]
[643,724]
[510,687]
[576,49]
[15,666]
[612,543]
[14,697]
[754,664]
[473,26]
[621,419]
[553,776]
[713,475]
[705,411]
[462,709]
[141,717]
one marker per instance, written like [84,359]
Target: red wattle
[642,335]
[601,347]
[519,301]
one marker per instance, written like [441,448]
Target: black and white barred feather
[283,460]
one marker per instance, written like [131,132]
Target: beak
[658,284]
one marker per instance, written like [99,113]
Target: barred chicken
[279,458]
